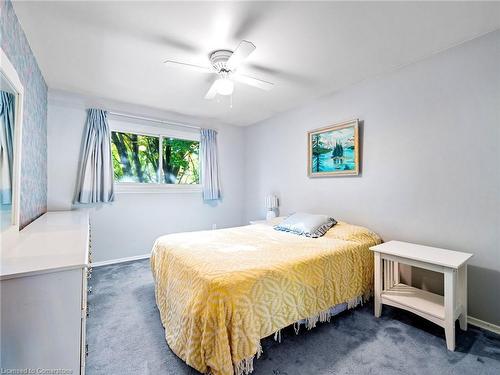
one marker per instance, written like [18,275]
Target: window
[180,161]
[135,157]
[143,159]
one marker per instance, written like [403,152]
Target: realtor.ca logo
[36,371]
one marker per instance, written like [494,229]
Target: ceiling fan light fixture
[225,86]
[225,63]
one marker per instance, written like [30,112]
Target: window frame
[154,131]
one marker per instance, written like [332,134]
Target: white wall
[430,160]
[129,226]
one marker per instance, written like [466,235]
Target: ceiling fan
[225,64]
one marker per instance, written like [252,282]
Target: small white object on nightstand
[441,310]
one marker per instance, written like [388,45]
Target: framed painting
[334,150]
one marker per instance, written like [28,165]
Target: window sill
[134,187]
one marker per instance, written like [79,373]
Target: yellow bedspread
[219,292]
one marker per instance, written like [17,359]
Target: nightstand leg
[378,284]
[462,295]
[450,278]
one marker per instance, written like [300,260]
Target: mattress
[220,292]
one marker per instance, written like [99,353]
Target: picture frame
[334,150]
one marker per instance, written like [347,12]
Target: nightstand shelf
[418,301]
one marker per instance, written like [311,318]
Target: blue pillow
[308,225]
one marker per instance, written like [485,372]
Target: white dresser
[43,291]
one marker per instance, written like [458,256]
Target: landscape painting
[333,151]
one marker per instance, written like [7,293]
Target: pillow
[348,232]
[308,225]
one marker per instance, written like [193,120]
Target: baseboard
[484,325]
[121,260]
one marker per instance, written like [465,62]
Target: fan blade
[201,69]
[212,91]
[263,85]
[243,50]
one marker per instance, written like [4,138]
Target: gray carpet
[125,336]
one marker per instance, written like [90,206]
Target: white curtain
[95,182]
[209,165]
[6,146]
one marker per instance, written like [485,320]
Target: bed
[220,292]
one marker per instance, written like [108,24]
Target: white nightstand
[442,310]
[253,222]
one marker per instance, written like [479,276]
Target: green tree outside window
[136,158]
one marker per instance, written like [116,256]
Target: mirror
[7,111]
[11,96]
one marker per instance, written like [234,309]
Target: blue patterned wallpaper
[34,142]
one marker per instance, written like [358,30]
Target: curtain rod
[153,120]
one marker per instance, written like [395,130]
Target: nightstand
[441,310]
[253,222]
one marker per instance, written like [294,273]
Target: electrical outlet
[214,226]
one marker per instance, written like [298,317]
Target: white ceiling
[115,49]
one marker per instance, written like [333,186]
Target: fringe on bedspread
[245,366]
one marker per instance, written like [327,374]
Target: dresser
[43,289]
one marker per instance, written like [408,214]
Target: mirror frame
[11,75]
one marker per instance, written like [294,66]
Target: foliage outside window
[154,159]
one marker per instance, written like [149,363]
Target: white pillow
[308,225]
